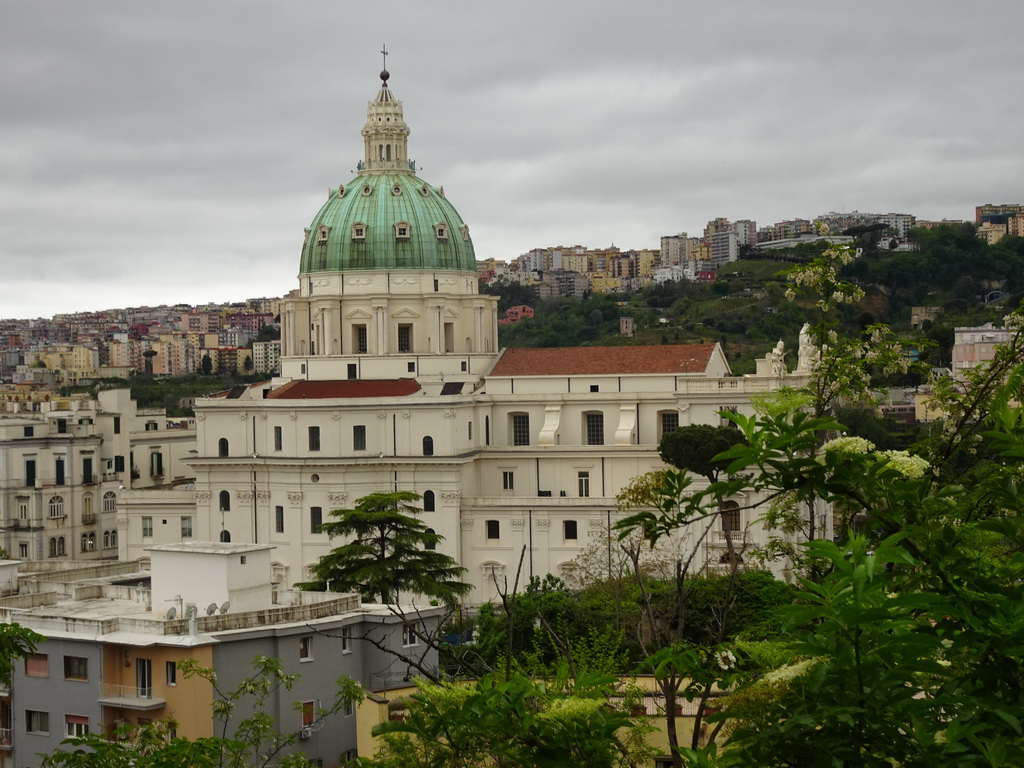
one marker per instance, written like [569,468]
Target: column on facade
[379,338]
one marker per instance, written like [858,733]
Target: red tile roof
[576,361]
[344,388]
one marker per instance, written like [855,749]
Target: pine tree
[391,551]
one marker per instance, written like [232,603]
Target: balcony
[6,737]
[88,518]
[130,697]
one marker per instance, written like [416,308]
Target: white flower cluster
[791,671]
[911,467]
[849,446]
[726,660]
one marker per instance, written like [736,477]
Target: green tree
[16,642]
[694,448]
[390,551]
[206,365]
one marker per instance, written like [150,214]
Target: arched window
[225,536]
[222,447]
[53,547]
[225,501]
[88,542]
[431,545]
[56,506]
[113,538]
[428,446]
[428,501]
[109,501]
[106,539]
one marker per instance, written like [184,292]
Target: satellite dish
[211,609]
[171,613]
[191,612]
[224,608]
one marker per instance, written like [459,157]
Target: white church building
[392,379]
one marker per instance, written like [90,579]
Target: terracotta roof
[576,361]
[343,388]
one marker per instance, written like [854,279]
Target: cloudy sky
[162,152]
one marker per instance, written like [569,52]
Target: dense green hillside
[970,281]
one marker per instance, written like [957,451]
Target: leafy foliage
[16,642]
[514,722]
[694,448]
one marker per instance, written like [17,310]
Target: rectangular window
[493,529]
[314,438]
[23,551]
[76,726]
[156,464]
[520,429]
[37,722]
[28,431]
[147,526]
[409,637]
[308,713]
[360,339]
[30,472]
[278,438]
[87,471]
[359,437]
[583,479]
[306,648]
[569,531]
[731,516]
[405,337]
[352,371]
[22,508]
[172,673]
[58,471]
[76,668]
[62,426]
[186,527]
[117,425]
[278,519]
[37,665]
[144,678]
[595,428]
[346,639]
[669,421]
[508,481]
[119,463]
[316,519]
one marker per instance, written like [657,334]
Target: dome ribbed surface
[379,212]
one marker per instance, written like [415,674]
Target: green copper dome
[384,221]
[386,217]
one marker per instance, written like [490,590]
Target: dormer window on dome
[321,234]
[402,230]
[367,190]
[359,231]
[396,190]
[341,190]
[442,231]
[424,190]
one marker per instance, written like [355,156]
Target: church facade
[391,379]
